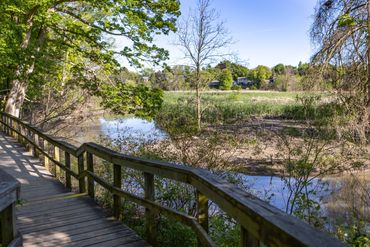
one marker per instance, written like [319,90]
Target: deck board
[52,216]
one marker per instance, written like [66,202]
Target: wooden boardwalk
[52,216]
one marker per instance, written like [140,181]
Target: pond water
[273,189]
[269,188]
[135,129]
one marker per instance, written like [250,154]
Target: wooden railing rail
[261,224]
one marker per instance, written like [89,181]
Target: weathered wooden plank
[55,217]
[45,226]
[80,235]
[121,237]
[75,228]
[122,243]
[48,212]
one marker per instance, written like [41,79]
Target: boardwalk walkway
[52,216]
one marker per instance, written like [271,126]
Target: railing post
[14,124]
[46,159]
[57,158]
[36,140]
[2,125]
[11,127]
[16,135]
[202,210]
[20,137]
[7,126]
[67,162]
[150,224]
[81,180]
[7,221]
[117,182]
[90,180]
[28,145]
[246,239]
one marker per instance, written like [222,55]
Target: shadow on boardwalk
[52,216]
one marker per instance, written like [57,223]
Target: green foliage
[353,235]
[360,241]
[260,74]
[346,20]
[63,43]
[303,68]
[279,69]
[178,117]
[237,70]
[174,233]
[236,87]
[123,98]
[226,79]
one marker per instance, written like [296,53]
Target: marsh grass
[235,106]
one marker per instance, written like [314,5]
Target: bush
[236,87]
[226,79]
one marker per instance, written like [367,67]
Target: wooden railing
[9,192]
[261,224]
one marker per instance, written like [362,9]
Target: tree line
[179,77]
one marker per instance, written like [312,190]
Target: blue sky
[265,32]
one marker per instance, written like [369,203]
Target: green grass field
[232,106]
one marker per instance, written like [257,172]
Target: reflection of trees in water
[348,207]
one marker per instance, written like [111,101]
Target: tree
[237,70]
[226,79]
[38,37]
[260,74]
[279,69]
[341,32]
[203,38]
[303,68]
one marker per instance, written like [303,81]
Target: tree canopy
[73,40]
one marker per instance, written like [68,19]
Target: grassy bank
[231,106]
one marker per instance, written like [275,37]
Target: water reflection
[136,129]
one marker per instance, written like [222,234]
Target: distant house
[214,84]
[221,66]
[272,80]
[244,82]
[145,79]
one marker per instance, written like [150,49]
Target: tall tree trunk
[15,98]
[199,113]
[17,92]
[198,97]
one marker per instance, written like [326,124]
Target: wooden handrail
[261,223]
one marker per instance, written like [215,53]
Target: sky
[265,32]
